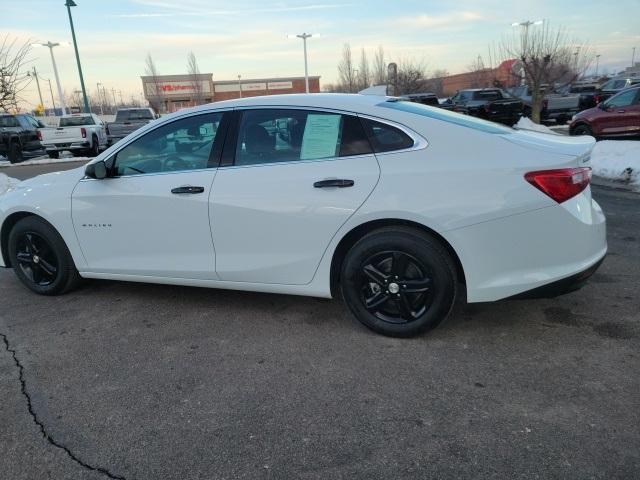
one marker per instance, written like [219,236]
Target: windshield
[447,116]
[76,121]
[128,115]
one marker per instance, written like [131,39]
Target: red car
[617,116]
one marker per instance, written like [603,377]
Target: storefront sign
[280,85]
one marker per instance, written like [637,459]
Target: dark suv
[618,116]
[19,136]
[488,103]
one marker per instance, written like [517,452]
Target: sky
[249,38]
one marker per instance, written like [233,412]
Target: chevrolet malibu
[398,207]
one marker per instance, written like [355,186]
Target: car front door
[150,216]
[617,115]
[289,179]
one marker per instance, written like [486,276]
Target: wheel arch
[6,228]
[579,123]
[356,233]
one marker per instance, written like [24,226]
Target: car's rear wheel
[399,281]
[95,147]
[40,258]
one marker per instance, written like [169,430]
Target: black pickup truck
[489,103]
[19,136]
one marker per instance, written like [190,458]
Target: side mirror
[96,170]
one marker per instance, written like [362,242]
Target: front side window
[623,99]
[272,136]
[185,144]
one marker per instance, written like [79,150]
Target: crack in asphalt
[45,434]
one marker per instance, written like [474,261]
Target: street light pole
[597,63]
[50,45]
[53,102]
[100,99]
[239,88]
[633,57]
[304,37]
[69,4]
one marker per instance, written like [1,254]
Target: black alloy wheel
[40,258]
[36,259]
[395,286]
[399,281]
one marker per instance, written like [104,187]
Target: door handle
[334,182]
[187,189]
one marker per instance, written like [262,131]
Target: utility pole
[100,99]
[633,57]
[53,102]
[239,87]
[35,74]
[69,4]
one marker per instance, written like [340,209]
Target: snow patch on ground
[42,161]
[617,160]
[526,124]
[6,183]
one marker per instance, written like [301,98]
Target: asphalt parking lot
[135,381]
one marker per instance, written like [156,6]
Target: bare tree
[346,70]
[547,56]
[435,83]
[379,73]
[364,73]
[412,77]
[194,72]
[155,94]
[479,72]
[12,79]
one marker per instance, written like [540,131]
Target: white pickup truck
[82,134]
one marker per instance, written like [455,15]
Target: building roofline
[272,79]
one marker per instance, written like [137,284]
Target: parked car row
[81,134]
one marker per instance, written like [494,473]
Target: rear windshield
[447,116]
[76,121]
[490,95]
[127,115]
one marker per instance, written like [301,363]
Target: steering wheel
[174,163]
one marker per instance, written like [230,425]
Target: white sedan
[393,205]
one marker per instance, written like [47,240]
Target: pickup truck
[616,85]
[128,120]
[560,106]
[78,133]
[19,136]
[489,103]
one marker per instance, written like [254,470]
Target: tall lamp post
[304,37]
[239,87]
[51,45]
[597,63]
[525,39]
[69,4]
[100,99]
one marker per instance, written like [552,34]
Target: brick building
[168,93]
[503,76]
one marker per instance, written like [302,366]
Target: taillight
[83,131]
[39,133]
[561,184]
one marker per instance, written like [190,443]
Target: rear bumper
[59,147]
[520,253]
[560,287]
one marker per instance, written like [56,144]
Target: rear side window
[386,138]
[8,121]
[487,95]
[282,135]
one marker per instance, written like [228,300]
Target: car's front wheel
[40,258]
[399,281]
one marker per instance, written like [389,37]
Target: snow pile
[7,182]
[526,124]
[617,160]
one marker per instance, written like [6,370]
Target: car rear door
[150,217]
[290,178]
[618,115]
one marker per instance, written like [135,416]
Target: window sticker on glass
[320,137]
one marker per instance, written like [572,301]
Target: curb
[617,185]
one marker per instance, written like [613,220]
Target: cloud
[448,20]
[190,12]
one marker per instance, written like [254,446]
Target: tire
[40,258]
[55,154]
[15,152]
[424,289]
[582,130]
[95,147]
